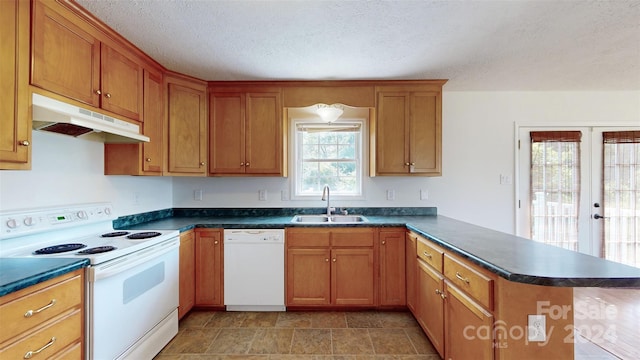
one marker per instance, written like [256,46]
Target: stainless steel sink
[324,219]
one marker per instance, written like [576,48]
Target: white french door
[578,210]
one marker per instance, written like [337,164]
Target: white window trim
[293,160]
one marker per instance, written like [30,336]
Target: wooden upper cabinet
[66,56]
[226,133]
[15,120]
[69,59]
[186,128]
[245,132]
[408,133]
[122,84]
[153,122]
[142,158]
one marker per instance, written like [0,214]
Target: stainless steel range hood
[62,118]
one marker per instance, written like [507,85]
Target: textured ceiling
[477,45]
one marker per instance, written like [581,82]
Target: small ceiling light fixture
[329,113]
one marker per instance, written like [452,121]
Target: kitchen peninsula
[487,282]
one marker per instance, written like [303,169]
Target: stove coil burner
[97,250]
[56,249]
[143,235]
[114,234]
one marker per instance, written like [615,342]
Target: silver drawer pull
[462,277]
[427,255]
[30,313]
[30,354]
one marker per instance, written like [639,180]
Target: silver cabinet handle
[462,277]
[427,255]
[30,313]
[30,354]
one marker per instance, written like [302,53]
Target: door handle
[598,216]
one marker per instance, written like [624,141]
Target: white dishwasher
[254,269]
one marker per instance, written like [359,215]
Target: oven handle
[132,260]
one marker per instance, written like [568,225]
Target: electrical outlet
[505,179]
[391,194]
[197,195]
[424,194]
[284,195]
[537,328]
[136,198]
[262,195]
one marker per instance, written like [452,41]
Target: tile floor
[299,335]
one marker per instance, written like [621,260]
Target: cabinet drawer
[352,237]
[469,280]
[51,301]
[431,254]
[307,238]
[50,339]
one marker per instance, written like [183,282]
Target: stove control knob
[29,221]
[12,223]
[81,214]
[107,211]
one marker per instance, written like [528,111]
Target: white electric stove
[133,274]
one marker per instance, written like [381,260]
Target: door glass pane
[621,176]
[555,190]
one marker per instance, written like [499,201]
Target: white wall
[478,146]
[67,170]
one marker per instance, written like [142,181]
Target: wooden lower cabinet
[468,327]
[209,268]
[352,277]
[308,276]
[330,267]
[187,273]
[391,266]
[411,265]
[430,312]
[57,329]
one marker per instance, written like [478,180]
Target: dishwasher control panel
[246,236]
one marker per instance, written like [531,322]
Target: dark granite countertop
[511,257]
[20,273]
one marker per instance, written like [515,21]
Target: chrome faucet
[325,197]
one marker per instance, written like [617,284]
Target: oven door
[128,297]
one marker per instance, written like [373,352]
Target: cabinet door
[392,268]
[142,158]
[352,276]
[392,133]
[425,133]
[227,133]
[411,264]
[66,57]
[15,120]
[186,130]
[431,304]
[187,273]
[263,134]
[209,285]
[153,122]
[308,276]
[468,327]
[121,84]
